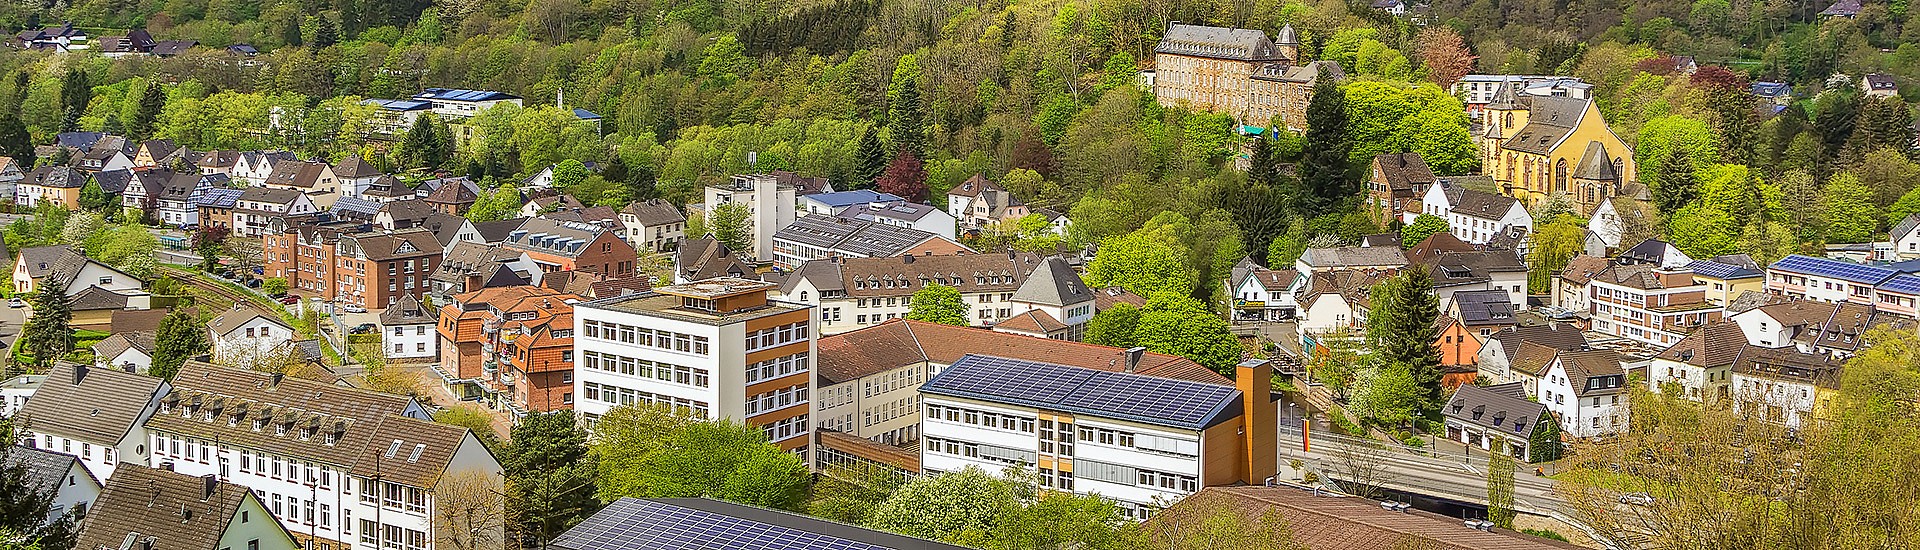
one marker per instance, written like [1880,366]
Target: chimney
[1259,445]
[79,373]
[208,484]
[1133,357]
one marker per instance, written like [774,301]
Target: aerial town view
[959,275]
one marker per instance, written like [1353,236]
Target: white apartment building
[341,468]
[94,414]
[653,225]
[859,292]
[1648,303]
[771,206]
[259,205]
[717,349]
[1587,391]
[1092,431]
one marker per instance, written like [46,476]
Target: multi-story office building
[94,414]
[342,468]
[715,349]
[1144,441]
[869,380]
[1648,303]
[770,203]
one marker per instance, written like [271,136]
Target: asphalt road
[1451,479]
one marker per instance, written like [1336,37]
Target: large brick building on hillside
[1240,72]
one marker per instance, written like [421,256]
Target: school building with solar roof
[1144,441]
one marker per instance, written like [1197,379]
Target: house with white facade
[150,507]
[94,414]
[258,206]
[903,214]
[127,351]
[354,176]
[10,176]
[1497,418]
[1261,294]
[74,489]
[1475,216]
[1521,353]
[15,391]
[980,203]
[1587,391]
[1092,431]
[36,266]
[253,167]
[341,466]
[244,334]
[653,225]
[1700,366]
[406,331]
[1784,385]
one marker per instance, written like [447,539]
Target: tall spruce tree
[1324,168]
[178,338]
[1400,331]
[14,140]
[76,91]
[1675,187]
[873,159]
[906,120]
[1262,167]
[49,333]
[324,33]
[92,197]
[153,99]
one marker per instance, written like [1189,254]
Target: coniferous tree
[1262,167]
[75,92]
[324,33]
[1323,170]
[551,475]
[178,338]
[906,119]
[14,141]
[1400,332]
[292,34]
[49,333]
[152,100]
[872,160]
[1675,187]
[23,513]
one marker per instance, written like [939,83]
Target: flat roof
[655,304]
[718,287]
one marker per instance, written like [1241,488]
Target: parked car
[353,308]
[363,328]
[16,302]
[1636,499]
[290,300]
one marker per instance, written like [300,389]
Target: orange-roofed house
[464,336]
[533,351]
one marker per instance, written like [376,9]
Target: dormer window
[307,432]
[281,428]
[259,424]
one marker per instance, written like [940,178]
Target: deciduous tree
[1851,215]
[732,225]
[939,304]
[1144,262]
[1444,54]
[1423,226]
[966,503]
[1113,326]
[905,177]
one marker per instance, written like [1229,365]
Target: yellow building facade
[1540,147]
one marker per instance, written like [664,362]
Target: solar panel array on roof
[450,94]
[636,524]
[1119,395]
[1833,269]
[1903,284]
[1720,270]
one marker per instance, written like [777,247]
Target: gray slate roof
[1499,408]
[865,238]
[174,511]
[90,404]
[1354,256]
[45,469]
[1053,283]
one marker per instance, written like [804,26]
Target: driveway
[11,320]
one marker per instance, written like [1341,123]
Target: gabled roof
[1053,283]
[354,167]
[1087,392]
[1500,408]
[120,342]
[1403,171]
[1354,257]
[304,174]
[1713,345]
[404,243]
[354,208]
[1843,8]
[1219,43]
[1481,204]
[166,509]
[97,298]
[407,311]
[1551,336]
[974,186]
[39,260]
[1788,364]
[496,231]
[231,320]
[1430,249]
[371,434]
[459,192]
[64,177]
[653,212]
[1034,322]
[566,239]
[1483,307]
[90,404]
[705,258]
[46,470]
[1906,226]
[1595,164]
[1584,365]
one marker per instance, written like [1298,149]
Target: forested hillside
[1038,94]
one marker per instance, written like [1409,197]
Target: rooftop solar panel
[1903,284]
[1835,269]
[1141,398]
[635,524]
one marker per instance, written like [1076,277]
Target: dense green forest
[917,95]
